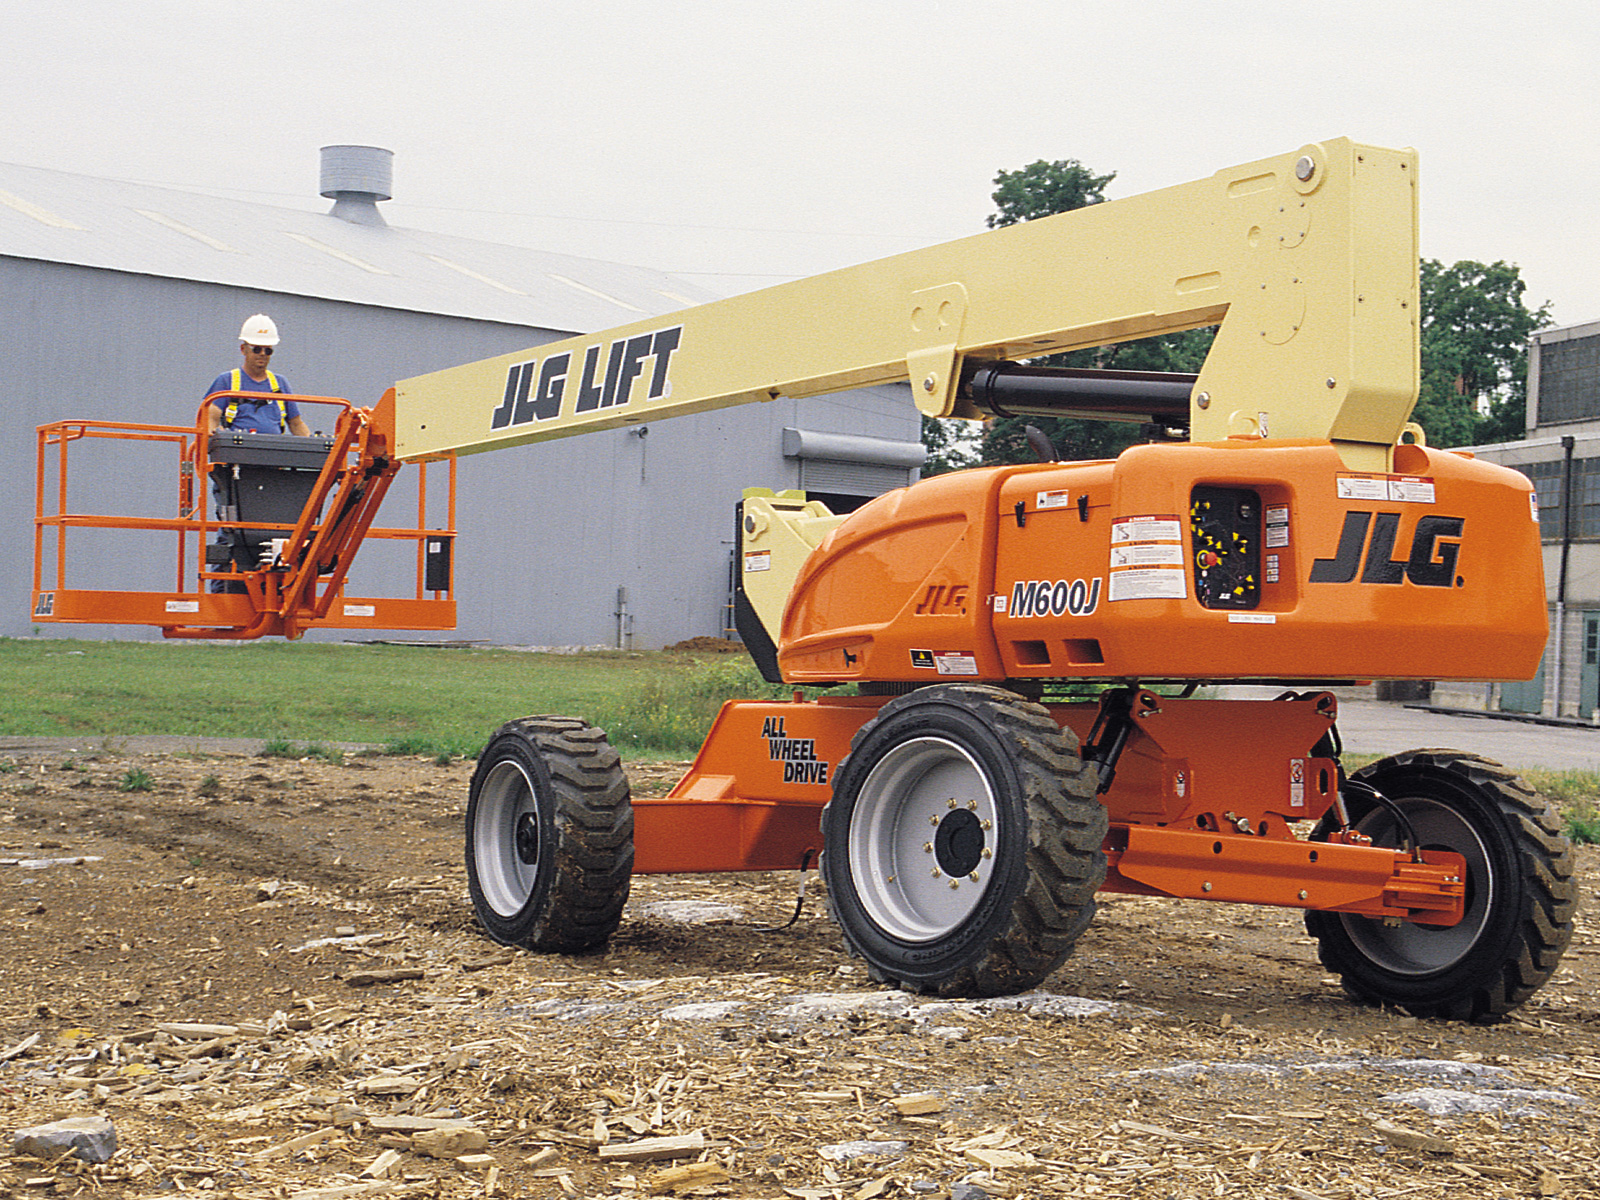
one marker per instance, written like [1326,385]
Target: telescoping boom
[1307,262]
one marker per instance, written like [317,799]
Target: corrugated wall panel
[548,533]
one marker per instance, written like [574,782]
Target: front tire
[963,845]
[1520,901]
[549,835]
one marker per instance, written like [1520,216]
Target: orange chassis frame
[307,591]
[1190,816]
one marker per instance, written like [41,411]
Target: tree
[950,446]
[1475,331]
[1042,189]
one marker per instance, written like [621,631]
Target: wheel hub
[527,837]
[958,843]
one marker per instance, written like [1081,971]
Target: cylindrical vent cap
[368,170]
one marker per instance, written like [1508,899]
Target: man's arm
[297,426]
[213,417]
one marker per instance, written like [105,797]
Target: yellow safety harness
[232,410]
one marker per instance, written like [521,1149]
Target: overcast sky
[747,143]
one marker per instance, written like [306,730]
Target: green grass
[1576,796]
[280,747]
[299,698]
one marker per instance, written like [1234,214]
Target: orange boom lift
[1283,524]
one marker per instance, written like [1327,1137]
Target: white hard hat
[259,331]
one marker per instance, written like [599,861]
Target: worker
[258,338]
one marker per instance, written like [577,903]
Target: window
[1569,380]
[1546,478]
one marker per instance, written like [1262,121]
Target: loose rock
[93,1139]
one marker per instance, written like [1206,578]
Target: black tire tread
[1544,922]
[1065,855]
[593,855]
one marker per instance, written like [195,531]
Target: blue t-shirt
[253,416]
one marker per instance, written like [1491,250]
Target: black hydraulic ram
[1010,390]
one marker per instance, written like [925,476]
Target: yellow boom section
[1308,261]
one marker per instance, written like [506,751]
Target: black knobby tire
[1520,900]
[963,844]
[549,835]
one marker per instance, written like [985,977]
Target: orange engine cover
[1238,560]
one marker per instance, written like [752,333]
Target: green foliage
[284,748]
[672,712]
[1041,189]
[1584,828]
[211,785]
[950,444]
[1576,796]
[135,779]
[1475,331]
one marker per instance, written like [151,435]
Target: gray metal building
[122,302]
[1562,457]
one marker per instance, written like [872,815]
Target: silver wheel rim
[505,839]
[922,838]
[1413,949]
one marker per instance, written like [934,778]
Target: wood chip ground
[266,975]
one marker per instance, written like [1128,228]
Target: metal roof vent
[355,178]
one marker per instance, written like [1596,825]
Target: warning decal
[1398,489]
[1147,559]
[1277,526]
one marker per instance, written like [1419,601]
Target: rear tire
[549,835]
[963,845]
[1521,892]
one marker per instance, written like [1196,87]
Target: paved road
[1371,727]
[1367,726]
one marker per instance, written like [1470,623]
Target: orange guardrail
[301,578]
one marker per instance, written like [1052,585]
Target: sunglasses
[267,350]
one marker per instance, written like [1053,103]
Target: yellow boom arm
[1307,261]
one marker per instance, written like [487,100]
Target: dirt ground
[266,975]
